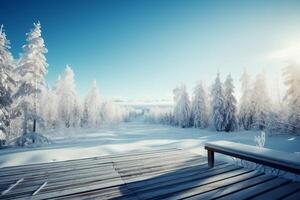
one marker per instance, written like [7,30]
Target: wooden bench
[285,161]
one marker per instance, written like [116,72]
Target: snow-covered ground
[134,136]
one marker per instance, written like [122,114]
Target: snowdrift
[31,139]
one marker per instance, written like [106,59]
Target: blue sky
[142,49]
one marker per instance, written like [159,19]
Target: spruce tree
[32,68]
[217,105]
[182,112]
[199,107]
[292,81]
[245,115]
[230,121]
[92,107]
[69,109]
[260,103]
[7,83]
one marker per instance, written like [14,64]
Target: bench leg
[211,158]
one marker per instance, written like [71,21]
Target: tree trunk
[24,125]
[34,125]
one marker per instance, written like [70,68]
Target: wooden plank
[71,174]
[40,188]
[279,192]
[225,187]
[107,193]
[146,181]
[163,190]
[211,187]
[149,176]
[147,157]
[257,189]
[59,170]
[143,152]
[65,164]
[57,177]
[99,159]
[11,186]
[158,166]
[171,158]
[50,165]
[68,169]
[61,177]
[148,173]
[65,168]
[76,190]
[65,183]
[63,190]
[131,166]
[294,196]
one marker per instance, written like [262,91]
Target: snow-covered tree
[49,109]
[230,121]
[182,111]
[217,105]
[159,114]
[7,82]
[69,109]
[199,107]
[32,68]
[292,81]
[260,102]
[245,116]
[92,107]
[111,113]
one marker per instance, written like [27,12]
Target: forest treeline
[27,103]
[216,107]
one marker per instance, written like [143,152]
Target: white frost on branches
[32,68]
[199,107]
[69,109]
[182,112]
[92,107]
[217,105]
[7,83]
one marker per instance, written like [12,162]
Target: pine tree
[92,107]
[111,113]
[199,107]
[217,105]
[49,109]
[260,103]
[230,121]
[7,82]
[69,109]
[182,112]
[292,81]
[245,116]
[32,68]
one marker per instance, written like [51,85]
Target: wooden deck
[160,174]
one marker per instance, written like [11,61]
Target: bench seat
[286,161]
